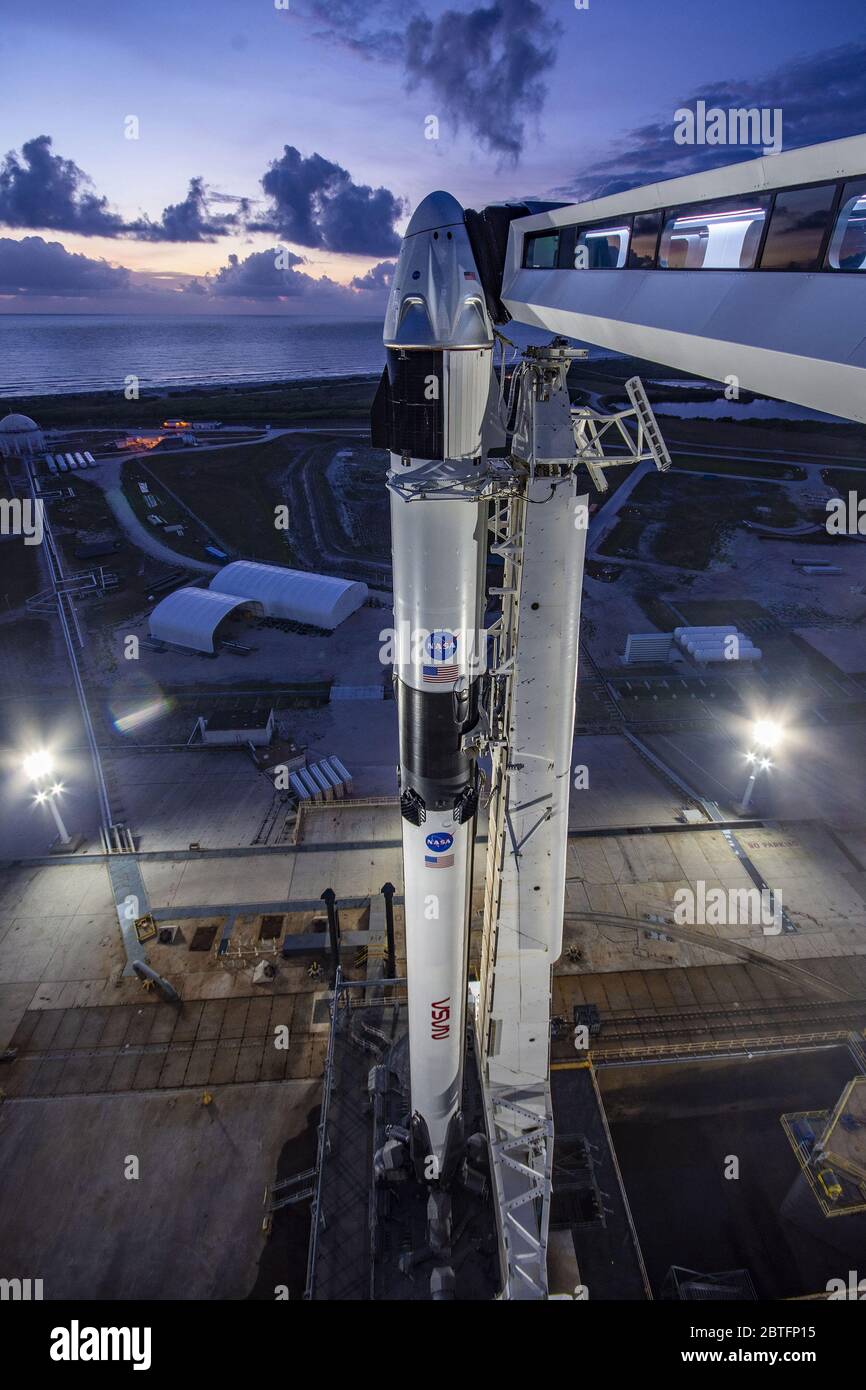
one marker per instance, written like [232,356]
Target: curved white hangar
[191,617]
[756,271]
[294,595]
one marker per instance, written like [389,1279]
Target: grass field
[230,492]
[780,472]
[20,574]
[846,479]
[279,403]
[686,521]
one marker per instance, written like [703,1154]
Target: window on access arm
[541,251]
[602,248]
[848,243]
[644,240]
[714,236]
[797,228]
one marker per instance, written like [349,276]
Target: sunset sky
[306,127]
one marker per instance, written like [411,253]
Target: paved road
[305,475]
[109,482]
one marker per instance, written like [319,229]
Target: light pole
[49,797]
[766,736]
[38,767]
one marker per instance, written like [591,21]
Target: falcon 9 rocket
[431,409]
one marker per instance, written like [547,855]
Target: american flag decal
[469,275]
[439,861]
[440,675]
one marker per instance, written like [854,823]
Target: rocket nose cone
[438,209]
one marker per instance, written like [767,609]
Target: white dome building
[296,595]
[20,437]
[193,618]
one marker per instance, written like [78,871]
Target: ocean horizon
[62,354]
[66,354]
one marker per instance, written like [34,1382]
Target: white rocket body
[439,374]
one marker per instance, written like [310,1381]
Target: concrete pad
[148,1071]
[117,1026]
[14,1000]
[103,1245]
[250,1059]
[55,890]
[224,1063]
[258,1017]
[140,1025]
[234,1018]
[93,993]
[28,946]
[47,994]
[215,984]
[174,1067]
[622,788]
[211,1021]
[604,897]
[44,1033]
[200,1064]
[91,949]
[93,1027]
[187,1022]
[123,1072]
[299,1057]
[48,1077]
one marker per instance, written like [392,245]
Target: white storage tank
[684,633]
[321,781]
[312,786]
[336,782]
[341,771]
[298,787]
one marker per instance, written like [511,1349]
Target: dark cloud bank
[310,201]
[33,266]
[822,97]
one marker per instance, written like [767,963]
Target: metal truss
[620,448]
[550,440]
[497,480]
[521,1164]
[519,1118]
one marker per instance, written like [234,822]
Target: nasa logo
[439,843]
[441,646]
[440,1018]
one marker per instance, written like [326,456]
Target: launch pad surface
[186,1224]
[677,1129]
[369,1238]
